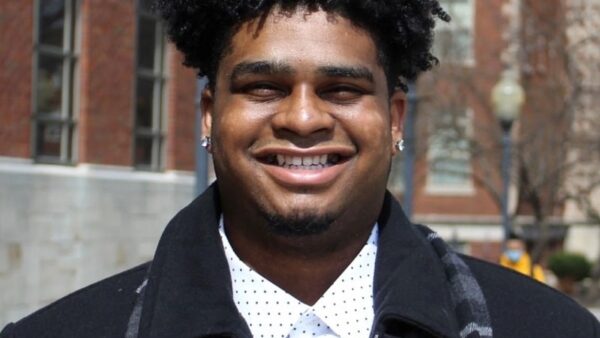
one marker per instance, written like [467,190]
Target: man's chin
[298,224]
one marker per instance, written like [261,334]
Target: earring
[400,145]
[206,142]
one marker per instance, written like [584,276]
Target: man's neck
[306,266]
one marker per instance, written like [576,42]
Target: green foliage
[569,264]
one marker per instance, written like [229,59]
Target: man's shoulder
[520,306]
[99,310]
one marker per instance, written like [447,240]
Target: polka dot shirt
[345,310]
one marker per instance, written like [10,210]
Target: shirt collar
[346,308]
[260,302]
[352,294]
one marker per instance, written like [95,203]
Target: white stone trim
[476,232]
[450,190]
[446,219]
[95,171]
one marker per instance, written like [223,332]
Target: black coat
[188,293]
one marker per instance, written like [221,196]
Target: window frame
[465,188]
[159,77]
[69,54]
[452,28]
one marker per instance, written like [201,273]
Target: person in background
[515,257]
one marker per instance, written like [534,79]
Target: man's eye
[263,91]
[342,94]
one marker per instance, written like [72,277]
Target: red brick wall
[107,82]
[473,83]
[488,251]
[490,23]
[546,118]
[16,58]
[181,119]
[106,92]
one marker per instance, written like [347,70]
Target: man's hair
[402,30]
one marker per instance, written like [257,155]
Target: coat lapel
[189,289]
[411,296]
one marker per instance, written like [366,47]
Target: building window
[55,63]
[449,158]
[150,89]
[454,40]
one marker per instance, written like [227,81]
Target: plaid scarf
[468,300]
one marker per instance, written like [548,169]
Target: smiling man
[302,131]
[298,237]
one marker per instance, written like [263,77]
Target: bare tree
[556,145]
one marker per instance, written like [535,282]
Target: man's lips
[312,167]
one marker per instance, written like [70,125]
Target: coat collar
[189,286]
[410,287]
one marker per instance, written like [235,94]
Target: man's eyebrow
[261,68]
[353,72]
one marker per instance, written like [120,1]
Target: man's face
[302,124]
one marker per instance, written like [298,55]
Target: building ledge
[94,171]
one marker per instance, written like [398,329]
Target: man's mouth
[314,162]
[305,168]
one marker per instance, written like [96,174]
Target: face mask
[514,255]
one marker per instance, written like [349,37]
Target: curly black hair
[402,29]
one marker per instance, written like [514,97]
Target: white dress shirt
[345,310]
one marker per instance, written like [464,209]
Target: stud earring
[400,145]
[206,142]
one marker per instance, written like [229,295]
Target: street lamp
[409,143]
[201,153]
[507,98]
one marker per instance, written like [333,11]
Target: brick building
[97,120]
[451,186]
[552,46]
[96,83]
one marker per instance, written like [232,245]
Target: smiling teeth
[316,160]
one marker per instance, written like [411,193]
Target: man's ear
[207,111]
[397,108]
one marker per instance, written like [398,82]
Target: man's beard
[298,224]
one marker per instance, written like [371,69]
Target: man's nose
[303,113]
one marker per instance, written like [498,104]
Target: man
[515,257]
[298,237]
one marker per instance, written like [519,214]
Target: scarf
[467,298]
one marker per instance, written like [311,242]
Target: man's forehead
[283,40]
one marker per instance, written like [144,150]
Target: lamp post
[201,154]
[507,99]
[409,144]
